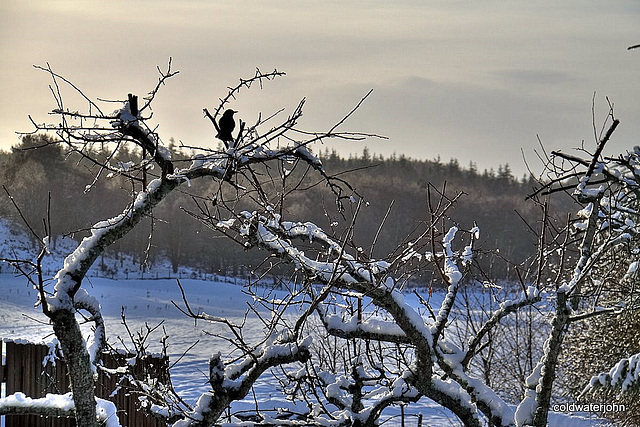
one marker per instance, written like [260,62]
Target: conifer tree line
[395,187]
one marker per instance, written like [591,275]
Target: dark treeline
[395,188]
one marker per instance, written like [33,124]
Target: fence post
[3,369]
[3,374]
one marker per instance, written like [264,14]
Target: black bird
[226,125]
[133,104]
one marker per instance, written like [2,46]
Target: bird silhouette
[226,125]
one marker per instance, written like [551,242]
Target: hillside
[147,303]
[396,191]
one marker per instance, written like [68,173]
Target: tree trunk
[559,327]
[78,363]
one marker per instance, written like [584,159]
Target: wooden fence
[25,370]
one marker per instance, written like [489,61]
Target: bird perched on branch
[226,125]
[133,104]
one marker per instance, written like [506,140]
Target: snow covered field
[149,301]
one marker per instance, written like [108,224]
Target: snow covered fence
[31,370]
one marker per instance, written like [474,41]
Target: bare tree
[573,269]
[346,342]
[81,132]
[600,278]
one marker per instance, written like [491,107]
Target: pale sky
[474,80]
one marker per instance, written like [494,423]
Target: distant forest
[395,189]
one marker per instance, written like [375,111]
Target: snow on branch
[96,343]
[368,329]
[102,235]
[268,232]
[82,132]
[133,127]
[623,376]
[234,381]
[360,399]
[99,137]
[56,405]
[452,275]
[451,360]
[371,278]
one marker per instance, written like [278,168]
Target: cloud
[424,118]
[457,79]
[526,77]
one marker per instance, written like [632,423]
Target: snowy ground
[150,301]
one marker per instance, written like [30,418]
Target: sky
[479,81]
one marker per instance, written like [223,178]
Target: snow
[106,410]
[526,410]
[623,376]
[371,325]
[46,242]
[589,193]
[196,414]
[144,301]
[304,152]
[59,401]
[411,311]
[586,211]
[452,271]
[531,293]
[149,302]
